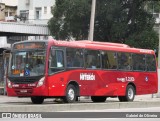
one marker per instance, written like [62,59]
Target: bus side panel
[57,84]
[152,82]
[91,83]
[102,83]
[117,81]
[112,85]
[97,83]
[146,83]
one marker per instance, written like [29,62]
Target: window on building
[10,13]
[138,62]
[92,59]
[74,57]
[150,63]
[6,14]
[38,13]
[45,10]
[109,60]
[24,14]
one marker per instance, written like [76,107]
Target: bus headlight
[41,82]
[9,83]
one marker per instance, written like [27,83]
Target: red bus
[70,69]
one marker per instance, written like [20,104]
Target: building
[8,10]
[10,13]
[2,11]
[157,22]
[35,11]
[28,12]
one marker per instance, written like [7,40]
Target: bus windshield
[27,63]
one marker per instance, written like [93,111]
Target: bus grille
[24,80]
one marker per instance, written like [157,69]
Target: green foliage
[70,19]
[123,21]
[153,6]
[146,39]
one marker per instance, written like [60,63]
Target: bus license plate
[23,91]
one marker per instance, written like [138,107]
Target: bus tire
[70,94]
[130,94]
[98,98]
[37,100]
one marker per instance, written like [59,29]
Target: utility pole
[91,29]
[158,95]
[159,47]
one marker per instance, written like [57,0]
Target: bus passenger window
[58,59]
[92,59]
[78,59]
[74,58]
[109,60]
[124,61]
[138,62]
[150,63]
[69,61]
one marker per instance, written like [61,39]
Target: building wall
[7,12]
[10,2]
[22,6]
[3,41]
[39,11]
[2,11]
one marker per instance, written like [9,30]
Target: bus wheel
[130,94]
[70,94]
[37,100]
[98,98]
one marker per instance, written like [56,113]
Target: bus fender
[75,83]
[131,83]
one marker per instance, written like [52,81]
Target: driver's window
[56,60]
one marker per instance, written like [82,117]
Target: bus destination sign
[30,45]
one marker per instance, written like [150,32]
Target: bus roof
[94,45]
[104,43]
[101,46]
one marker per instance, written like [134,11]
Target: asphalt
[14,104]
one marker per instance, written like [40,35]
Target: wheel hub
[71,94]
[130,93]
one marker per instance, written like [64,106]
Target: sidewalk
[14,104]
[138,98]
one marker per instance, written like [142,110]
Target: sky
[10,2]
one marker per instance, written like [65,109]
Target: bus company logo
[87,76]
[146,78]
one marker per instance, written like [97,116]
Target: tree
[70,19]
[146,39]
[115,21]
